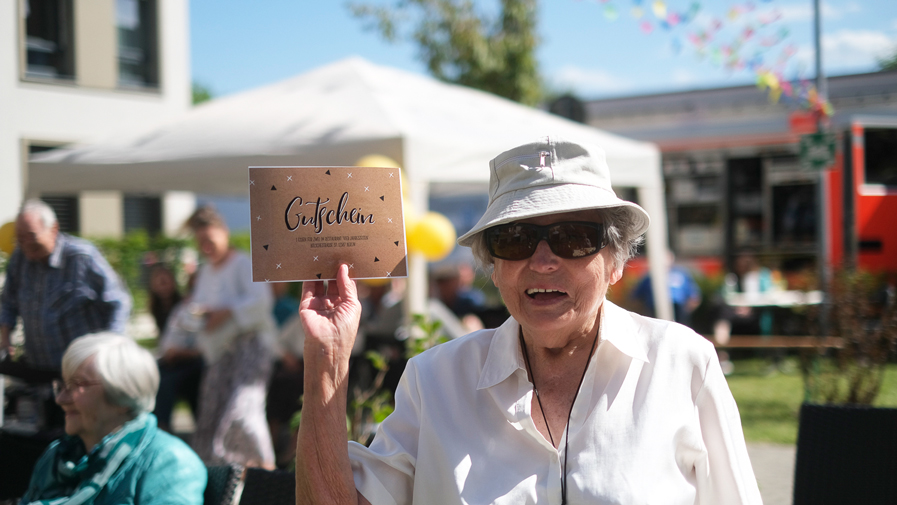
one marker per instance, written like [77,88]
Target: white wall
[10,166]
[177,207]
[62,113]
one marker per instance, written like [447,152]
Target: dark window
[138,60]
[66,209]
[49,39]
[881,156]
[143,213]
[794,214]
[745,202]
[37,148]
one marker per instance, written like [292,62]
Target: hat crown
[550,176]
[548,162]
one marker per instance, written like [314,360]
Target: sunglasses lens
[575,240]
[512,241]
[518,241]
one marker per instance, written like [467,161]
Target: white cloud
[586,81]
[854,48]
[848,51]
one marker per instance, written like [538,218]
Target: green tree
[888,62]
[201,93]
[463,46]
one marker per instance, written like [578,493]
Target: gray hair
[129,373]
[618,226]
[40,208]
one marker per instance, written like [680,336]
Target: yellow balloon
[433,236]
[377,160]
[409,215]
[8,237]
[374,282]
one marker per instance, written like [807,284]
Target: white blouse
[654,423]
[230,286]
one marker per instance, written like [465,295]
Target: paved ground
[774,467]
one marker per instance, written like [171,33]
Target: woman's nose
[543,259]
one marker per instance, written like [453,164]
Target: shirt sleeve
[384,473]
[9,304]
[725,475]
[252,308]
[104,281]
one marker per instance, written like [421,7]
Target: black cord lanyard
[529,371]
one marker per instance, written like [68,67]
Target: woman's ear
[616,275]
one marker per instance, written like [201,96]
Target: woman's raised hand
[330,316]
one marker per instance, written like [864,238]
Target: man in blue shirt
[684,293]
[60,286]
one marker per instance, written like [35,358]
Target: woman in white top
[237,339]
[572,400]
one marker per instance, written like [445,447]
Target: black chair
[20,450]
[268,487]
[222,484]
[846,454]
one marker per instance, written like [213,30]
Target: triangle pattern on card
[396,243]
[273,188]
[318,276]
[265,246]
[376,259]
[382,199]
[327,172]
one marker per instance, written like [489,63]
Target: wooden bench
[778,342]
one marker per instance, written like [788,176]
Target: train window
[881,156]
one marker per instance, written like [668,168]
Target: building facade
[78,71]
[735,183]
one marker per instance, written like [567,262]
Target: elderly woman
[571,400]
[237,339]
[113,452]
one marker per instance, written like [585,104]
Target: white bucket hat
[550,176]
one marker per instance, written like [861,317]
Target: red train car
[862,196]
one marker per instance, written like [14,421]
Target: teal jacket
[139,464]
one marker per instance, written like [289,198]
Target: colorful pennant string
[745,38]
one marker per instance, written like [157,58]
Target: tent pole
[651,198]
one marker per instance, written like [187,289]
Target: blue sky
[593,48]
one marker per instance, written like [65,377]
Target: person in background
[237,339]
[180,361]
[163,295]
[751,279]
[454,288]
[286,305]
[285,387]
[382,318]
[684,292]
[113,453]
[60,286]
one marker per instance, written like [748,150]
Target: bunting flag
[745,37]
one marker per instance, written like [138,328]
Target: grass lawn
[769,399]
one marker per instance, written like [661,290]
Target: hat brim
[541,201]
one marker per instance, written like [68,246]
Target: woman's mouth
[544,294]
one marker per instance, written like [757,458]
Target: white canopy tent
[334,115]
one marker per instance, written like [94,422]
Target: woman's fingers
[346,287]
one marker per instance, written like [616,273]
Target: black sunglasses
[569,239]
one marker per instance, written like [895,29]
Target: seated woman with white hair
[113,451]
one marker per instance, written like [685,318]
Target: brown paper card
[308,220]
